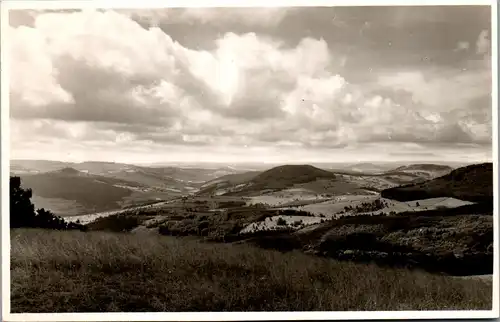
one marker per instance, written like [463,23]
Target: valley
[289,207]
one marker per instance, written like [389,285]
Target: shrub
[115,223]
[281,222]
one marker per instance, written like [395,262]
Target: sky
[285,85]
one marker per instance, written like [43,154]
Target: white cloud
[103,78]
[441,90]
[29,54]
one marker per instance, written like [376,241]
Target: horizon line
[262,162]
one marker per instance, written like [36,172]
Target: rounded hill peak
[68,171]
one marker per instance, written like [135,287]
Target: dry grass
[56,271]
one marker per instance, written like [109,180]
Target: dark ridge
[471,183]
[288,175]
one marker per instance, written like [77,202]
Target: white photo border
[7,5]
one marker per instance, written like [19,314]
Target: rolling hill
[424,171]
[471,183]
[318,181]
[279,178]
[36,166]
[70,189]
[181,179]
[288,175]
[92,192]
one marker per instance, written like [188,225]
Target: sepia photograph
[310,159]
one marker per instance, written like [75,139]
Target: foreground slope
[54,271]
[471,183]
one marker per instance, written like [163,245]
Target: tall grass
[59,271]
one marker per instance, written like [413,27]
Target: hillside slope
[91,191]
[471,183]
[227,181]
[58,272]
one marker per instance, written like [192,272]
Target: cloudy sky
[244,84]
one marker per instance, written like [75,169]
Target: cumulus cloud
[441,90]
[101,77]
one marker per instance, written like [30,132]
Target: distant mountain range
[100,186]
[79,188]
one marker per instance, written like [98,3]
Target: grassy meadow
[72,271]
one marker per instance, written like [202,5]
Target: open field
[55,271]
[332,207]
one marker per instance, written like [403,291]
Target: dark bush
[281,222]
[116,223]
[203,225]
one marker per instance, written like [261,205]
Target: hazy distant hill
[102,168]
[471,183]
[421,171]
[424,167]
[183,179]
[36,166]
[366,167]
